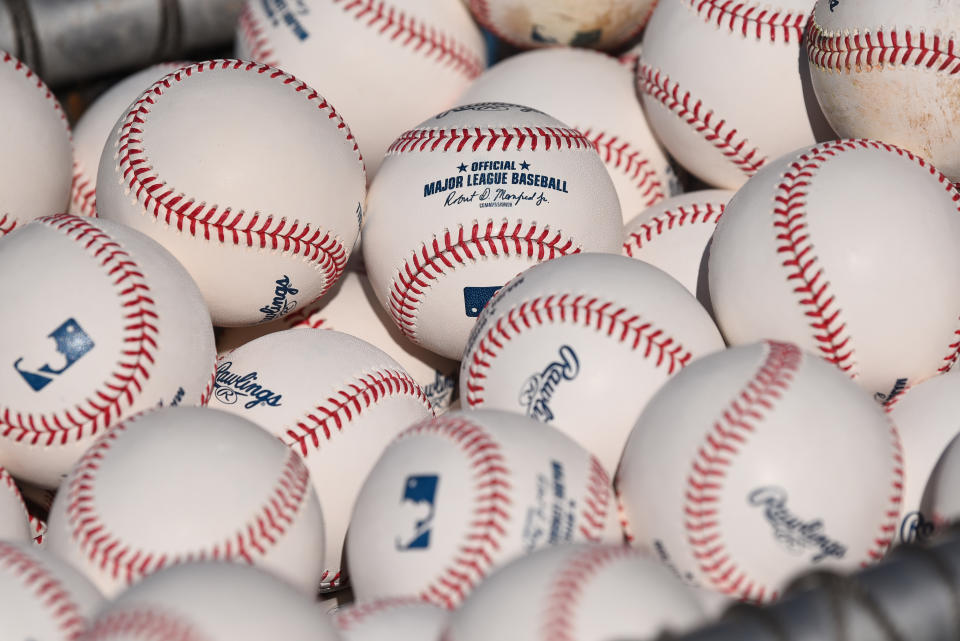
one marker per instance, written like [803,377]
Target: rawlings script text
[795,534]
[230,387]
[537,390]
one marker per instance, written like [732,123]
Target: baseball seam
[124,561]
[886,47]
[357,613]
[63,611]
[607,317]
[11,485]
[620,155]
[489,139]
[426,265]
[761,22]
[132,371]
[715,130]
[142,624]
[252,34]
[645,232]
[596,503]
[224,223]
[491,510]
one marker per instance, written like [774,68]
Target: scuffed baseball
[35,148]
[116,326]
[806,252]
[401,618]
[263,207]
[334,399]
[674,235]
[41,597]
[581,337]
[458,495]
[583,592]
[213,602]
[94,128]
[757,463]
[183,484]
[722,88]
[593,93]
[469,199]
[352,307]
[385,65]
[887,69]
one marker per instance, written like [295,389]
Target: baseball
[803,254]
[939,503]
[116,326]
[94,127]
[15,521]
[352,307]
[385,65]
[782,465]
[334,399]
[469,199]
[593,93]
[888,70]
[35,148]
[721,86]
[455,496]
[182,485]
[600,24]
[401,619]
[926,418]
[674,235]
[211,602]
[581,335]
[41,597]
[583,592]
[264,210]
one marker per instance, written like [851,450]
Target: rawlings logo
[537,390]
[795,534]
[440,390]
[229,388]
[280,306]
[488,106]
[915,528]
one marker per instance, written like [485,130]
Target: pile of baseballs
[346,336]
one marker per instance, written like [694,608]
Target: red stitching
[714,129]
[38,528]
[6,479]
[488,139]
[46,588]
[142,624]
[616,322]
[571,583]
[253,34]
[596,504]
[30,75]
[668,220]
[83,192]
[752,20]
[105,404]
[843,51]
[123,561]
[426,265]
[223,224]
[619,154]
[7,224]
[491,510]
[357,613]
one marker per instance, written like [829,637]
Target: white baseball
[352,307]
[469,199]
[15,521]
[582,592]
[334,399]
[722,88]
[805,253]
[594,94]
[401,619]
[35,151]
[584,335]
[674,235]
[116,326]
[187,484]
[264,204]
[41,597]
[386,65]
[757,463]
[456,496]
[600,24]
[888,70]
[211,602]
[94,128]
[928,418]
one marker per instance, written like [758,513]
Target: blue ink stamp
[72,342]
[476,298]
[419,493]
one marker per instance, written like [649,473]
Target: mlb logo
[72,343]
[419,496]
[476,298]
